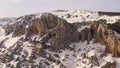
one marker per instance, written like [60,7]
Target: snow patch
[82,27]
[11,41]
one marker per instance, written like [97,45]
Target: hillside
[60,39]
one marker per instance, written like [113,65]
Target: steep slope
[30,36]
[47,41]
[107,37]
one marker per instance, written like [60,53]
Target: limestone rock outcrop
[100,33]
[106,37]
[49,28]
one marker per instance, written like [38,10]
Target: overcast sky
[15,8]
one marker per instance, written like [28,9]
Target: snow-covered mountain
[58,40]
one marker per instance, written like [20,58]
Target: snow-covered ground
[84,16]
[79,56]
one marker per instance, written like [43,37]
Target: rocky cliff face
[106,37]
[101,34]
[48,28]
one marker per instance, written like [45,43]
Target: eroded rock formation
[101,34]
[59,33]
[49,28]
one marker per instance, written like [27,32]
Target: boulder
[94,60]
[109,65]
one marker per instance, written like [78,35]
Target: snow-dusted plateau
[61,39]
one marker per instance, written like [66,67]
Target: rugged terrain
[60,39]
